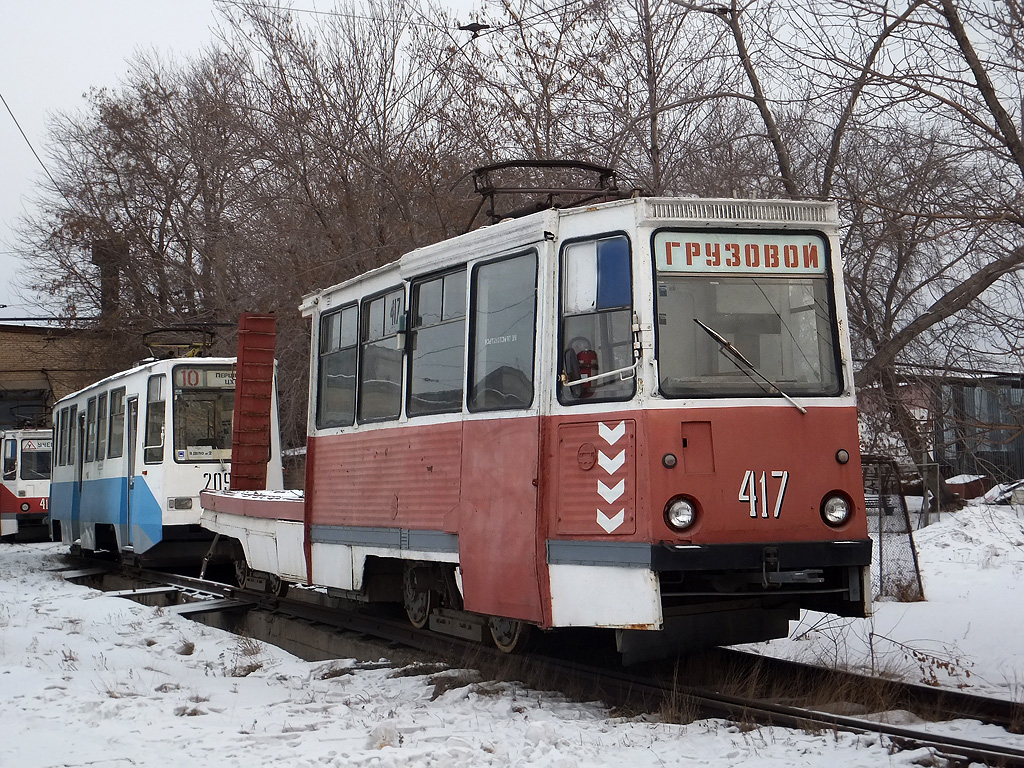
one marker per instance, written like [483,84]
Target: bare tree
[305,149]
[161,167]
[907,117]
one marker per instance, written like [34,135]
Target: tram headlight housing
[681,513]
[836,510]
[181,502]
[25,506]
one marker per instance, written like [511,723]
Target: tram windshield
[35,459]
[204,403]
[766,297]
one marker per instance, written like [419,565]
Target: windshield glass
[767,295]
[204,403]
[35,459]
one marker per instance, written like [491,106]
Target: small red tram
[25,484]
[636,415]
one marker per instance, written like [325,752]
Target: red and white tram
[25,484]
[636,415]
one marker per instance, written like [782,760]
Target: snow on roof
[964,479]
[289,494]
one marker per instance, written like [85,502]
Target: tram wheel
[277,585]
[509,635]
[241,572]
[418,602]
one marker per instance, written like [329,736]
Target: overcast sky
[51,53]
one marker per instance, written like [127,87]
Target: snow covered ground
[969,631]
[98,681]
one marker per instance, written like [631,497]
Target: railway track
[316,626]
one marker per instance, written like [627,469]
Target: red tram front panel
[31,509]
[759,474]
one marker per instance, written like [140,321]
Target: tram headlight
[681,513]
[835,510]
[181,502]
[25,506]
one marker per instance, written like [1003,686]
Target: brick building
[38,366]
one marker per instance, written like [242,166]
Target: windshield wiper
[739,357]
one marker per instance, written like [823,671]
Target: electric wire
[34,153]
[523,22]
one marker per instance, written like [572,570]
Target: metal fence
[895,574]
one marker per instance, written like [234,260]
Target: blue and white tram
[133,451]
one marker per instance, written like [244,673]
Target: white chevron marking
[611,435]
[611,464]
[613,493]
[610,523]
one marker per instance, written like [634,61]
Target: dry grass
[333,672]
[448,681]
[244,670]
[677,706]
[419,668]
[1017,719]
[246,648]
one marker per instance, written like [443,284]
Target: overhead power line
[526,21]
[34,153]
[314,12]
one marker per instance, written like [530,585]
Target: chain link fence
[895,574]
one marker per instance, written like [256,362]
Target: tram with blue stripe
[133,451]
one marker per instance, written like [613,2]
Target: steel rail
[907,695]
[767,713]
[618,684]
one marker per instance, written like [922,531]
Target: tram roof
[649,211]
[144,366]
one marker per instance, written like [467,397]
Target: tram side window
[597,321]
[57,427]
[115,445]
[380,359]
[64,429]
[90,430]
[101,427]
[155,411]
[336,373]
[10,459]
[503,326]
[73,435]
[437,344]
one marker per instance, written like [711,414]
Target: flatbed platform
[209,606]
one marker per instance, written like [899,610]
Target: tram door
[77,443]
[133,440]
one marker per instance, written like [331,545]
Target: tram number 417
[754,491]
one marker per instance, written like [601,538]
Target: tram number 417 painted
[754,491]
